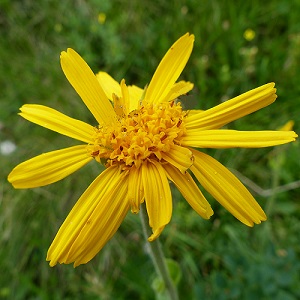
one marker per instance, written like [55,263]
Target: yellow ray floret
[189,190]
[169,69]
[233,138]
[157,197]
[49,167]
[227,189]
[180,88]
[110,86]
[135,189]
[93,220]
[233,109]
[56,121]
[87,86]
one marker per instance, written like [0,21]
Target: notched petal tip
[63,54]
[189,35]
[68,51]
[251,222]
[51,259]
[209,212]
[51,263]
[135,210]
[294,135]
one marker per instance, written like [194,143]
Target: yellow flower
[101,18]
[249,34]
[144,139]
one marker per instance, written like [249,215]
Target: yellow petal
[157,197]
[110,86]
[156,233]
[56,121]
[287,126]
[169,69]
[101,225]
[87,86]
[233,109]
[227,189]
[135,189]
[93,220]
[179,157]
[180,88]
[49,167]
[193,112]
[190,191]
[135,94]
[222,138]
[125,97]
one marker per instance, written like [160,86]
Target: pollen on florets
[143,134]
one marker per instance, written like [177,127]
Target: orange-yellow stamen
[143,134]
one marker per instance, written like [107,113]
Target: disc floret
[142,134]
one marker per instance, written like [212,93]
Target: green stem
[275,184]
[158,257]
[270,204]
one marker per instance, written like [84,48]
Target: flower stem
[158,257]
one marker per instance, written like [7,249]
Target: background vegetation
[219,258]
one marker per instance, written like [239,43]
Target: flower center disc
[143,134]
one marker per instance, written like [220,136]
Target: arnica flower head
[144,139]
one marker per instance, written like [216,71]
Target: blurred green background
[239,46]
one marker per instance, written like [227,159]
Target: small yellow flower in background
[101,18]
[249,34]
[144,139]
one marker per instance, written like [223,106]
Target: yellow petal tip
[156,234]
